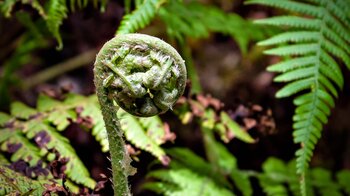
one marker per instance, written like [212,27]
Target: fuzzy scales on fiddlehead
[144,76]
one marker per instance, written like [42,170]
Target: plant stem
[119,158]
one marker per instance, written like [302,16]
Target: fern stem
[119,157]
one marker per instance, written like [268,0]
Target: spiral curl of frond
[143,74]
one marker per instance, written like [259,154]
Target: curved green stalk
[144,76]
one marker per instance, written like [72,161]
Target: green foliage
[206,111]
[29,42]
[140,17]
[189,174]
[57,12]
[6,6]
[318,44]
[33,135]
[27,151]
[53,11]
[13,183]
[30,125]
[279,178]
[198,21]
[192,20]
[145,133]
[343,179]
[80,4]
[234,128]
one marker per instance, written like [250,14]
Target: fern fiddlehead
[144,76]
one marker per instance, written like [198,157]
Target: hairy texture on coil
[143,74]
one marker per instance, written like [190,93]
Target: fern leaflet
[57,12]
[140,17]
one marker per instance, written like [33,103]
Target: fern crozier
[144,76]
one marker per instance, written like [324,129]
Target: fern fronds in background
[13,183]
[196,20]
[318,44]
[53,11]
[190,174]
[279,178]
[33,134]
[140,17]
[192,20]
[57,12]
[6,6]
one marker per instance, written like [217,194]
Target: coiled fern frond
[318,43]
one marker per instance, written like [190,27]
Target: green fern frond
[198,176]
[325,185]
[6,6]
[197,20]
[271,182]
[14,142]
[136,133]
[13,183]
[80,4]
[56,13]
[316,43]
[343,178]
[75,168]
[235,129]
[59,115]
[140,17]
[184,158]
[279,178]
[224,162]
[291,21]
[183,181]
[92,111]
[276,178]
[73,4]
[3,160]
[4,118]
[36,132]
[22,111]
